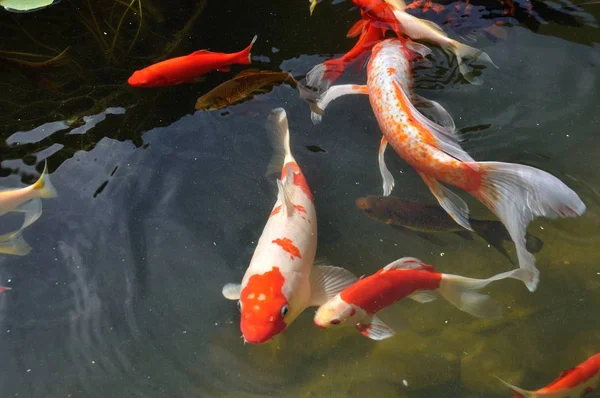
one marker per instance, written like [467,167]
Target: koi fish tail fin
[517,194]
[43,187]
[14,244]
[244,55]
[278,124]
[519,392]
[4,289]
[464,52]
[463,293]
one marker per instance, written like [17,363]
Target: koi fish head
[375,207]
[335,312]
[264,307]
[144,78]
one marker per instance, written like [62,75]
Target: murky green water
[159,207]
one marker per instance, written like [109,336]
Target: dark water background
[159,206]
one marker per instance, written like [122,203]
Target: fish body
[515,193]
[572,383]
[281,282]
[242,87]
[14,199]
[188,68]
[425,219]
[358,304]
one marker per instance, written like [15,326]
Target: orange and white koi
[409,277]
[188,68]
[572,383]
[515,193]
[281,281]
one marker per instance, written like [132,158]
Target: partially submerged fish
[572,383]
[243,86]
[516,193]
[4,289]
[188,68]
[408,277]
[281,281]
[25,200]
[426,219]
[403,23]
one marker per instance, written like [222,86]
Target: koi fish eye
[335,322]
[239,305]
[284,310]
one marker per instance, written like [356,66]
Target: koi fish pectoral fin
[388,178]
[517,390]
[327,281]
[446,139]
[32,210]
[232,291]
[331,94]
[436,112]
[451,202]
[376,329]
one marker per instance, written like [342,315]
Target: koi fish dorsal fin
[408,263]
[202,52]
[285,194]
[327,281]
[519,392]
[251,71]
[561,376]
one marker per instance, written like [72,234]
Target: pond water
[159,206]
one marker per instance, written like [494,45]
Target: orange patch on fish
[276,210]
[391,71]
[287,245]
[300,208]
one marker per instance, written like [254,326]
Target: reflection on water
[159,206]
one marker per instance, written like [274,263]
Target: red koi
[409,277]
[188,68]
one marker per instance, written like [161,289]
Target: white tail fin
[462,292]
[517,194]
[519,391]
[463,52]
[43,186]
[282,154]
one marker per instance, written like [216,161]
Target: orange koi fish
[281,281]
[188,68]
[409,277]
[515,193]
[571,383]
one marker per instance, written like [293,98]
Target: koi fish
[324,74]
[281,281]
[358,304]
[516,193]
[4,289]
[242,87]
[571,383]
[25,200]
[188,68]
[14,199]
[427,219]
[392,14]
